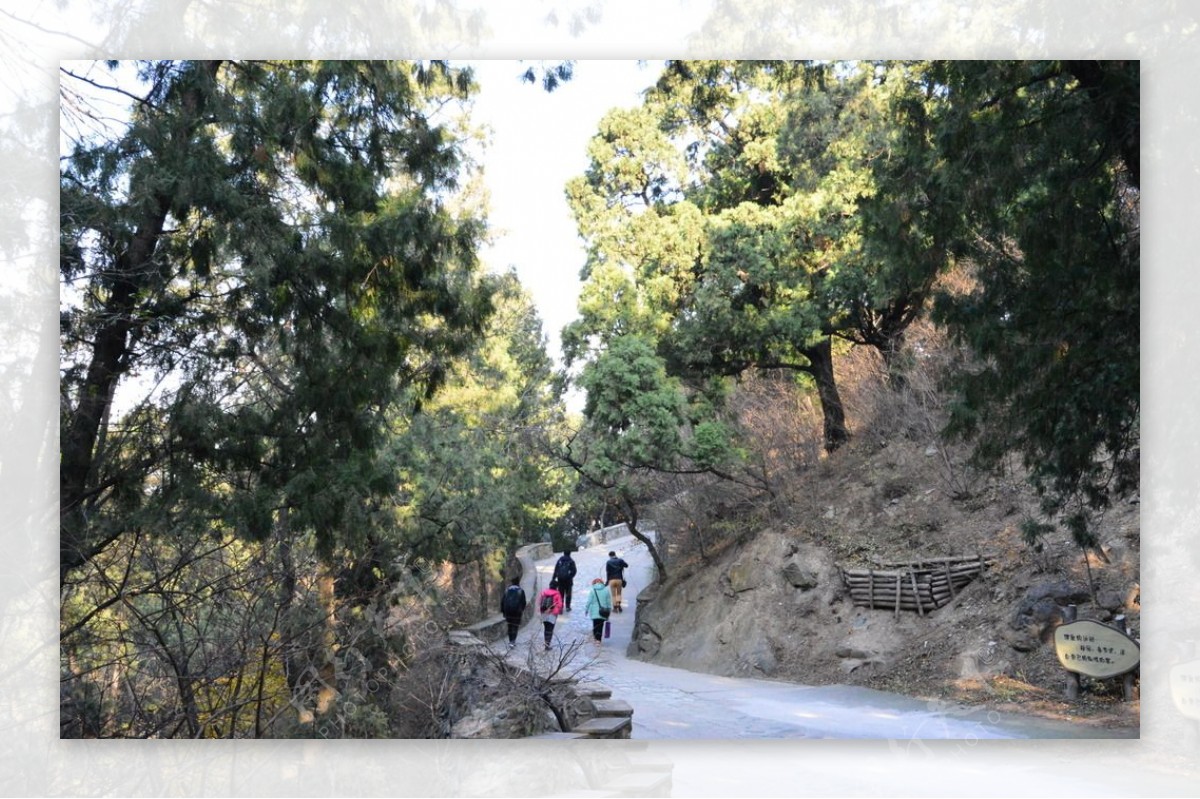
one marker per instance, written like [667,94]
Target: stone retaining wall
[602,536]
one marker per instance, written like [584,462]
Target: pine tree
[267,245]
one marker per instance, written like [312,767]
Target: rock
[806,604]
[648,640]
[1043,603]
[850,665]
[800,577]
[1112,601]
[1020,640]
[853,653]
[760,656]
[649,646]
[1041,613]
[743,577]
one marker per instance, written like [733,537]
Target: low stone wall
[606,534]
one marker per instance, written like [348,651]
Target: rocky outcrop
[727,620]
[1041,610]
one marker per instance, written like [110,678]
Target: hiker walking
[512,605]
[550,605]
[564,572]
[614,571]
[599,605]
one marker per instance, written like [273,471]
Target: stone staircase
[611,718]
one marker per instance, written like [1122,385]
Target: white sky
[539,142]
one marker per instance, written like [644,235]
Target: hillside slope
[769,601]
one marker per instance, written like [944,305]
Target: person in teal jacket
[599,605]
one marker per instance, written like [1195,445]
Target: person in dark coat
[614,570]
[512,605]
[564,572]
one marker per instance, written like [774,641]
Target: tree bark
[820,358]
[108,364]
[133,275]
[631,522]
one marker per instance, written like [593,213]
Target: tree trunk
[133,275]
[295,672]
[108,364]
[631,522]
[820,358]
[327,674]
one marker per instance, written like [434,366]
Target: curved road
[675,703]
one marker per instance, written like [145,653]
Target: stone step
[490,629]
[606,727]
[563,736]
[612,707]
[595,691]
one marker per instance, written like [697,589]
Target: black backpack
[565,569]
[511,603]
[547,603]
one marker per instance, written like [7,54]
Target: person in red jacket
[550,605]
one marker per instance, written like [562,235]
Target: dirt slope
[770,602]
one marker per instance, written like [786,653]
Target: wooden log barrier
[988,558]
[885,591]
[891,601]
[918,584]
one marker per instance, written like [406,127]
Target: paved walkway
[671,703]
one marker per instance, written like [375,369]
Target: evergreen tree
[268,245]
[1046,159]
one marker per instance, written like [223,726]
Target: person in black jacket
[564,572]
[512,605]
[614,570]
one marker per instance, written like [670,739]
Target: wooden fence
[921,585]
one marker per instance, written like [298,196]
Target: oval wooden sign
[1095,649]
[1185,688]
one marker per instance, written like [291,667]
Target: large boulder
[1041,610]
[799,575]
[646,640]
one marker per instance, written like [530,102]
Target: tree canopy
[288,388]
[272,248]
[752,215]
